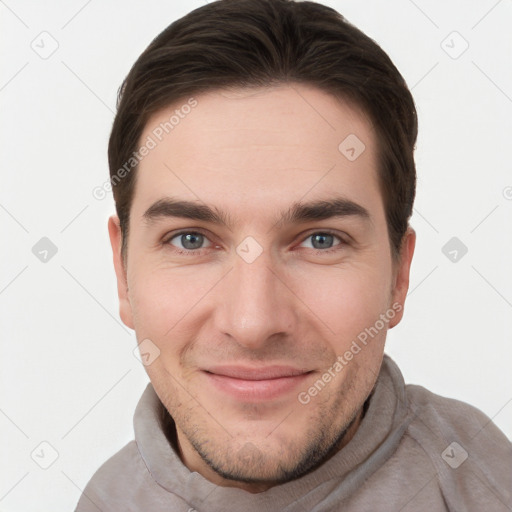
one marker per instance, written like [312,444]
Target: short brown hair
[255,43]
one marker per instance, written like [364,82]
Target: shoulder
[111,479]
[447,418]
[123,482]
[469,453]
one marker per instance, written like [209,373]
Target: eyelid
[342,240]
[173,234]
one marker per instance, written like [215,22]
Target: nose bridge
[254,303]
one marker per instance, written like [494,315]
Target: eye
[189,241]
[322,241]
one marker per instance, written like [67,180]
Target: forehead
[250,142]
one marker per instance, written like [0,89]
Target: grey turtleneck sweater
[413,451]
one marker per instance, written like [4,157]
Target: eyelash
[185,252]
[189,252]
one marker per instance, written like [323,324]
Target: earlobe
[402,273]
[116,239]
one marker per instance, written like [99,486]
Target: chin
[265,462]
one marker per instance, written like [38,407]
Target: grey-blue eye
[322,241]
[189,241]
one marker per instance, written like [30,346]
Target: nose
[255,305]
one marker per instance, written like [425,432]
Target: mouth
[249,384]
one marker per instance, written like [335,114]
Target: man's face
[251,291]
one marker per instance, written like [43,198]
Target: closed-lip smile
[246,383]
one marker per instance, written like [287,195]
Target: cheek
[346,301]
[159,299]
[164,300]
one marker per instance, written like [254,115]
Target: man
[262,167]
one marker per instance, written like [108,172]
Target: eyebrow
[297,213]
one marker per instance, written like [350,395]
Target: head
[262,166]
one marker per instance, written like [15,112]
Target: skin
[253,153]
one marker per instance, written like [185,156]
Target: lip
[256,384]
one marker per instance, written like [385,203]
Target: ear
[401,274]
[125,308]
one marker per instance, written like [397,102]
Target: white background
[68,375]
